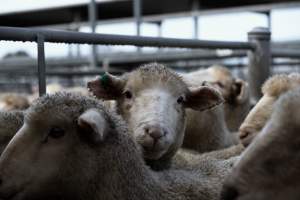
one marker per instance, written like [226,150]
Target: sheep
[207,131]
[272,89]
[55,87]
[10,123]
[235,92]
[13,101]
[188,158]
[152,99]
[269,168]
[85,152]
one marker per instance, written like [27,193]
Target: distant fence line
[258,48]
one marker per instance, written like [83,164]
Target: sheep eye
[180,100]
[128,94]
[56,132]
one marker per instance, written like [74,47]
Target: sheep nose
[243,133]
[155,131]
[229,193]
[246,135]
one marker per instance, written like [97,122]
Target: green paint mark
[104,80]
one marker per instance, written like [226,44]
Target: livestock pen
[258,49]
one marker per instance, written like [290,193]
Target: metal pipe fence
[293,54]
[25,34]
[40,36]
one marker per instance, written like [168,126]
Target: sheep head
[53,153]
[269,167]
[152,100]
[272,89]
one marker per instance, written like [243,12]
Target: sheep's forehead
[62,105]
[220,73]
[279,84]
[156,76]
[287,108]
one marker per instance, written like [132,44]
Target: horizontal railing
[41,36]
[295,54]
[25,34]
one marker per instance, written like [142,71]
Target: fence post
[93,16]
[41,64]
[259,60]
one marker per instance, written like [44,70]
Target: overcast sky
[228,27]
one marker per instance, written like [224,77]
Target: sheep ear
[92,126]
[107,87]
[203,98]
[240,91]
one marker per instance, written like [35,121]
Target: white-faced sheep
[83,151]
[10,123]
[272,89]
[235,92]
[270,167]
[13,101]
[152,100]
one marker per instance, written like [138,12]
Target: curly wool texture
[278,84]
[286,109]
[120,170]
[14,101]
[155,74]
[72,106]
[10,123]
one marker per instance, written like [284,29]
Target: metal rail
[41,36]
[25,34]
[56,73]
[122,58]
[286,54]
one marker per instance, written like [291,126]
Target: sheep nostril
[155,132]
[244,133]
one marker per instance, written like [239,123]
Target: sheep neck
[125,175]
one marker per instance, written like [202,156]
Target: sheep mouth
[153,152]
[247,139]
[153,155]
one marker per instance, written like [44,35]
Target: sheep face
[152,100]
[235,92]
[272,89]
[269,167]
[256,119]
[53,146]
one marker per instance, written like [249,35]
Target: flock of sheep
[154,134]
